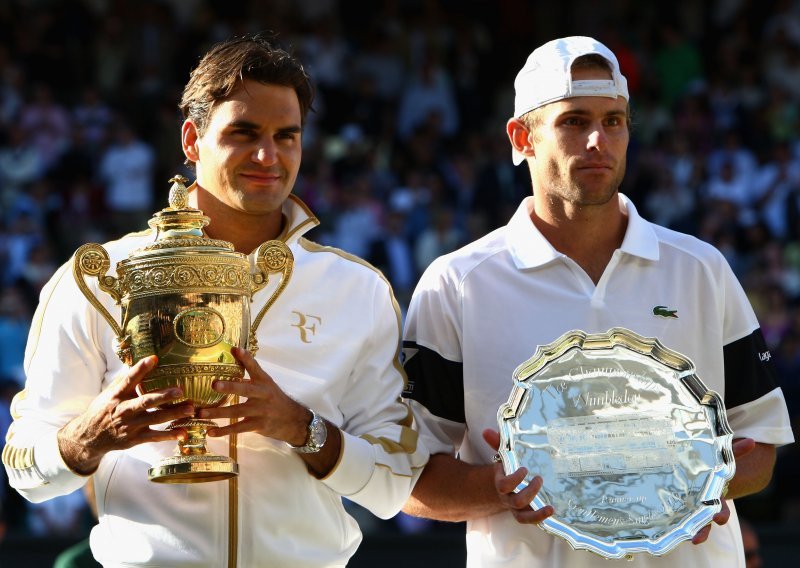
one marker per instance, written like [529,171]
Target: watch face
[319,432]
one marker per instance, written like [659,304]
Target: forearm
[753,471]
[76,453]
[451,490]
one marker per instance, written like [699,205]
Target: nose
[597,138]
[265,152]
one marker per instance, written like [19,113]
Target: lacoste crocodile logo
[664,312]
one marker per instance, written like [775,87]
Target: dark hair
[226,65]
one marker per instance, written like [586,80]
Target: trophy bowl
[186,299]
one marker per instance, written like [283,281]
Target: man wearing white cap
[575,256]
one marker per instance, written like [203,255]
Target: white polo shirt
[479,312]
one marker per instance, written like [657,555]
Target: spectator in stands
[752,545]
[126,169]
[48,123]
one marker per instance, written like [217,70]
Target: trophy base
[193,469]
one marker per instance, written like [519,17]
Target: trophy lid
[180,226]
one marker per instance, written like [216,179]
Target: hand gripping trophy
[186,298]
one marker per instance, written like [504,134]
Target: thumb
[742,447]
[492,438]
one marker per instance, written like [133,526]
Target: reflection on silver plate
[635,452]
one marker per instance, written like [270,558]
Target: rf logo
[307,325]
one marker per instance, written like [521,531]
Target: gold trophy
[186,298]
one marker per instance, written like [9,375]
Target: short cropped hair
[227,64]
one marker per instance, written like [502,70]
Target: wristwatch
[317,434]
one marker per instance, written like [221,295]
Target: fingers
[506,484]
[258,376]
[233,411]
[236,427]
[722,517]
[492,437]
[243,388]
[743,446]
[248,361]
[158,399]
[530,516]
[126,386]
[519,503]
[148,436]
[165,415]
[702,535]
[724,514]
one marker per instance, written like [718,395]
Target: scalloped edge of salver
[652,347]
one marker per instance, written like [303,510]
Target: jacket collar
[298,219]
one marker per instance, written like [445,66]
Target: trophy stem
[195,445]
[193,464]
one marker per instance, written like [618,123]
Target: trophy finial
[178,194]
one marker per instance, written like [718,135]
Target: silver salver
[635,452]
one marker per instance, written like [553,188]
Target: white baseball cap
[546,77]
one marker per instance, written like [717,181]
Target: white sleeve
[765,420]
[381,456]
[64,367]
[434,362]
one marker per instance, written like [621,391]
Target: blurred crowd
[405,155]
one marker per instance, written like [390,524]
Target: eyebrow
[582,112]
[247,125]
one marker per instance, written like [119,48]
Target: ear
[189,141]
[520,137]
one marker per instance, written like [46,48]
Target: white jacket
[331,341]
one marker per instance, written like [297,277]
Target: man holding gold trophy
[604,349]
[156,381]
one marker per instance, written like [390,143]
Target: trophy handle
[92,260]
[272,257]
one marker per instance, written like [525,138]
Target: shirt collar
[640,236]
[530,249]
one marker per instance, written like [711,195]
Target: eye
[573,121]
[287,135]
[243,133]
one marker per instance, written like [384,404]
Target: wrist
[75,455]
[300,428]
[316,435]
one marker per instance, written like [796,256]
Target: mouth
[595,168]
[261,177]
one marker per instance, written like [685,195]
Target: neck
[589,235]
[245,231]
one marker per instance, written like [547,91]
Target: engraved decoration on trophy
[635,452]
[186,298]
